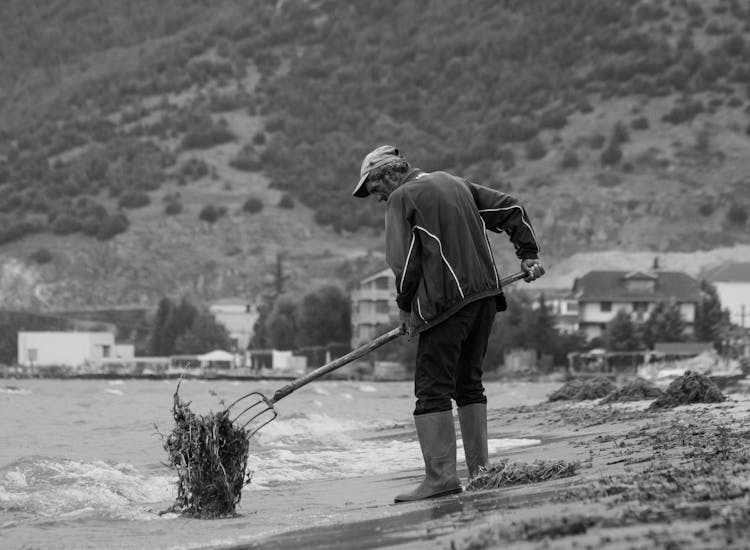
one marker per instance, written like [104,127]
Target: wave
[14,390]
[48,487]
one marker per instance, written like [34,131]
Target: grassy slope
[653,207]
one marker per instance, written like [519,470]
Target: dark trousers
[449,359]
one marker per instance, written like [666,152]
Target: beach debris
[209,453]
[505,473]
[582,389]
[635,390]
[689,388]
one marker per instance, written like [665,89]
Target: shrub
[611,155]
[508,157]
[253,205]
[570,160]
[706,209]
[41,256]
[734,45]
[172,208]
[66,224]
[597,141]
[211,213]
[194,168]
[111,225]
[640,123]
[535,149]
[207,136]
[737,214]
[259,138]
[133,199]
[286,201]
[619,133]
[247,159]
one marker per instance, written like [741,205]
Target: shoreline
[678,478]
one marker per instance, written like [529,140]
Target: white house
[69,348]
[238,315]
[601,294]
[732,283]
[373,306]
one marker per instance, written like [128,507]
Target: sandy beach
[676,478]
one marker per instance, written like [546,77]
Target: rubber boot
[437,438]
[473,421]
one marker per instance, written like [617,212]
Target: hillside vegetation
[179,147]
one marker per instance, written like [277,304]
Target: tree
[281,324]
[160,342]
[665,324]
[621,333]
[203,335]
[710,319]
[324,316]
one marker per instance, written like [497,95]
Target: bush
[253,205]
[706,209]
[111,225]
[597,141]
[194,168]
[259,138]
[737,214]
[205,137]
[133,199]
[247,159]
[611,155]
[640,123]
[211,213]
[172,208]
[570,160]
[41,256]
[535,149]
[66,224]
[286,201]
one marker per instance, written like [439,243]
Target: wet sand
[672,479]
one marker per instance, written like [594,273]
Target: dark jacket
[437,245]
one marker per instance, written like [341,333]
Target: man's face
[380,188]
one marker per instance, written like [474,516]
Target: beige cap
[374,159]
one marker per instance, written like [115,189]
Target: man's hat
[375,159]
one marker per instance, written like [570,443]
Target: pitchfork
[297,383]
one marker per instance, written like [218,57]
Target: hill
[184,148]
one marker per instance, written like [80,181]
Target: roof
[735,272]
[216,355]
[231,301]
[382,273]
[609,286]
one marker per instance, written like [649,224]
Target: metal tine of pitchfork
[325,369]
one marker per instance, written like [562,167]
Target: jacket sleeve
[402,250]
[503,213]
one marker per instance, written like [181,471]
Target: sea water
[82,463]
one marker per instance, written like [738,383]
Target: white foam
[13,390]
[69,488]
[367,388]
[113,391]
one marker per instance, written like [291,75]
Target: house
[561,304]
[601,294]
[238,315]
[71,349]
[374,307]
[732,283]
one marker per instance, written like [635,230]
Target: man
[448,290]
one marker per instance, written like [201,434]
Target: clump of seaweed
[635,390]
[209,454]
[583,389]
[689,388]
[505,473]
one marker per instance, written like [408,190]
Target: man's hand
[404,318]
[533,269]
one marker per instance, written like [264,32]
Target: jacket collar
[415,173]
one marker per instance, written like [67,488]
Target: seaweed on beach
[635,390]
[583,389]
[209,453]
[689,388]
[504,473]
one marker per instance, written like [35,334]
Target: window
[32,354]
[106,350]
[381,283]
[572,307]
[605,306]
